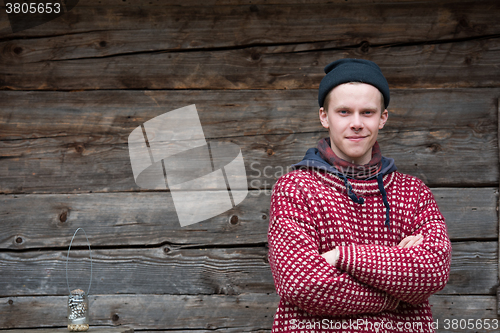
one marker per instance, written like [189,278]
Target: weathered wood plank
[246,313]
[474,269]
[229,271]
[470,213]
[498,132]
[173,26]
[48,221]
[103,121]
[126,218]
[65,330]
[251,311]
[476,307]
[163,270]
[102,163]
[31,114]
[453,64]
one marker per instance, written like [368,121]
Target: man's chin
[355,156]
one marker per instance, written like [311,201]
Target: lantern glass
[78,311]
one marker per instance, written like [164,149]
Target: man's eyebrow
[343,107]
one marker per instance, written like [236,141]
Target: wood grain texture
[76,164]
[456,64]
[207,271]
[251,311]
[252,68]
[140,219]
[205,313]
[93,329]
[426,129]
[476,307]
[115,113]
[109,28]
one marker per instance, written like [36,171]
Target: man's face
[353,118]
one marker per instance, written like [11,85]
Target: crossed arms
[354,279]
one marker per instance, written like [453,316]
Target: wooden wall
[74,88]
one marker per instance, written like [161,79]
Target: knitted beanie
[353,70]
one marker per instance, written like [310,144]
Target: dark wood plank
[73,164]
[448,65]
[31,115]
[146,26]
[471,213]
[93,127]
[169,270]
[56,330]
[445,309]
[251,311]
[248,313]
[126,218]
[164,270]
[47,221]
[498,123]
[474,269]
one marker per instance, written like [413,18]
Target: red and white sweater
[375,286]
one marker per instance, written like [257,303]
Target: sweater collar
[351,170]
[360,187]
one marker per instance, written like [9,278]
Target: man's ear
[383,119]
[323,117]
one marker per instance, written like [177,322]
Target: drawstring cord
[361,200]
[380,182]
[350,193]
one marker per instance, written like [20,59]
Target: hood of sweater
[313,159]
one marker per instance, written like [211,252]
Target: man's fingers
[404,241]
[411,241]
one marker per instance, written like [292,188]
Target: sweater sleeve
[413,274]
[301,275]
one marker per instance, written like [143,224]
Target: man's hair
[327,98]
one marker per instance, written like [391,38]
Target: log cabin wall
[73,89]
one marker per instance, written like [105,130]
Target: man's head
[353,98]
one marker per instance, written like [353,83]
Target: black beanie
[353,70]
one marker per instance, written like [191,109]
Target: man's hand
[411,241]
[332,256]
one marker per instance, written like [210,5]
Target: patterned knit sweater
[375,286]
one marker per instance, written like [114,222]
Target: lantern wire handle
[67,258]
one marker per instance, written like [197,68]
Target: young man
[354,245]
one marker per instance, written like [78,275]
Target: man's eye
[343,112]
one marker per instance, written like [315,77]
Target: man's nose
[356,122]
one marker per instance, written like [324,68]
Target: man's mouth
[356,137]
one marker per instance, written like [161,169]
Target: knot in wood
[464,22]
[18,50]
[255,56]
[79,148]
[234,219]
[435,147]
[63,217]
[365,47]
